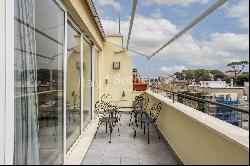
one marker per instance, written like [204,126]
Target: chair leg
[141,121]
[136,121]
[148,133]
[134,133]
[106,127]
[110,132]
[130,120]
[120,120]
[159,136]
[98,126]
[144,128]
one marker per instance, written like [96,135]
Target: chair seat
[139,111]
[108,119]
[146,120]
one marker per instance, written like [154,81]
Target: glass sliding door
[96,76]
[39,56]
[73,126]
[87,82]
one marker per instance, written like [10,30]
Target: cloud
[216,50]
[157,14]
[172,70]
[182,3]
[117,6]
[239,11]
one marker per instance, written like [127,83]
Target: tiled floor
[125,150]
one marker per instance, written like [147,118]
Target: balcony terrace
[125,150]
[188,136]
[57,64]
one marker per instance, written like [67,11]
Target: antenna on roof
[119,23]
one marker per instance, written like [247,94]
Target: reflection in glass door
[96,76]
[87,83]
[73,125]
[39,55]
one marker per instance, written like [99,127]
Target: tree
[238,66]
[189,74]
[202,75]
[179,75]
[240,79]
[220,75]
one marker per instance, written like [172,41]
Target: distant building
[213,84]
[231,73]
[218,90]
[246,88]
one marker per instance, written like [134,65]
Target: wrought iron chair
[150,118]
[108,114]
[139,108]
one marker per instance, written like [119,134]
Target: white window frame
[84,38]
[64,80]
[94,57]
[75,26]
[2,83]
[7,81]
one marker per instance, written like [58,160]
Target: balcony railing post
[173,96]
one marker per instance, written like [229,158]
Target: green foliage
[241,63]
[220,75]
[43,75]
[240,79]
[202,75]
[189,75]
[238,67]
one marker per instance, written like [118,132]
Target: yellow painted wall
[73,79]
[86,76]
[196,144]
[96,87]
[118,80]
[81,13]
[73,74]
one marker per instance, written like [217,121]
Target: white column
[92,81]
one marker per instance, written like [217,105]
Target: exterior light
[123,94]
[116,65]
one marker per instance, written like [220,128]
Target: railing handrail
[201,100]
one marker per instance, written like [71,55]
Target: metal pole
[191,25]
[131,22]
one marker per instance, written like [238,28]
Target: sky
[221,38]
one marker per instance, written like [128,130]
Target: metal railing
[231,114]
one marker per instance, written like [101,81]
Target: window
[87,82]
[39,56]
[73,128]
[96,76]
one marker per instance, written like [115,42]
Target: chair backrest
[105,104]
[102,104]
[155,110]
[141,101]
